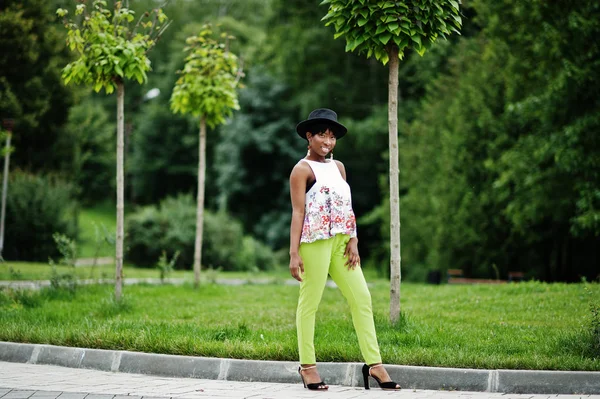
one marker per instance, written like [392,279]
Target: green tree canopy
[502,162]
[31,91]
[371,27]
[109,48]
[207,84]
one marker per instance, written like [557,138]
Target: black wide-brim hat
[321,116]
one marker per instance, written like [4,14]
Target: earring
[308,152]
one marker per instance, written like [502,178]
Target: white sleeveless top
[328,204]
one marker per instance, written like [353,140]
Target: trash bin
[434,277]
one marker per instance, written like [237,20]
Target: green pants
[325,257]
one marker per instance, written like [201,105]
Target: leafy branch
[109,51]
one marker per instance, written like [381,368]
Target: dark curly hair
[320,128]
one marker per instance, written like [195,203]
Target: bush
[36,208]
[222,241]
[68,250]
[165,266]
[144,236]
[171,227]
[255,256]
[594,321]
[12,299]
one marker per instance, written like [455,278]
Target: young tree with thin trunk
[206,89]
[386,29]
[110,49]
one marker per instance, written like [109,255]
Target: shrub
[165,266]
[23,297]
[37,207]
[68,251]
[255,256]
[171,227]
[594,321]
[222,241]
[144,232]
[595,309]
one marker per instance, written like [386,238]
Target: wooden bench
[516,276]
[462,280]
[456,276]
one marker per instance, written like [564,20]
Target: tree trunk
[120,192]
[394,187]
[200,200]
[4,191]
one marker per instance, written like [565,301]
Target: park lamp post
[150,95]
[8,125]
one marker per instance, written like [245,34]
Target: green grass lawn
[514,326]
[18,271]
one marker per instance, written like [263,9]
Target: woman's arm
[298,179]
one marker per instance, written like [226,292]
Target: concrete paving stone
[65,387]
[99,396]
[16,386]
[72,395]
[7,379]
[37,394]
[127,397]
[152,393]
[106,388]
[121,391]
[181,391]
[18,394]
[4,391]
[15,353]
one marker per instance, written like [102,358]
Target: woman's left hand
[351,254]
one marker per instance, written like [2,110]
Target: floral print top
[328,205]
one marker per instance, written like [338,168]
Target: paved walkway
[33,381]
[37,284]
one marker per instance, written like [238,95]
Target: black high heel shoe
[317,386]
[387,386]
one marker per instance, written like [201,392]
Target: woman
[323,241]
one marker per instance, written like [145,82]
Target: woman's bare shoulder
[302,169]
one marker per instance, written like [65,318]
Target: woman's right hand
[296,267]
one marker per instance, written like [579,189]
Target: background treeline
[499,138]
